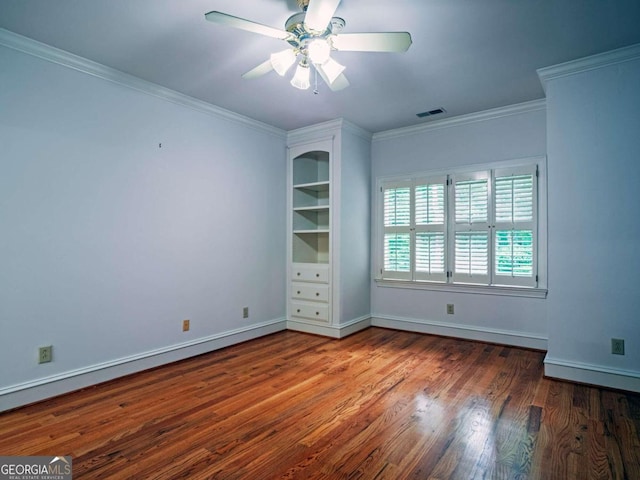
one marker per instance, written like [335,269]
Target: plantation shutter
[470,240]
[397,213]
[430,205]
[515,200]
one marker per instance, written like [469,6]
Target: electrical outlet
[245,312]
[45,354]
[449,308]
[617,346]
[185,325]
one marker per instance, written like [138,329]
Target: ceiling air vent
[429,113]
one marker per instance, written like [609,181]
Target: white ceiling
[467,55]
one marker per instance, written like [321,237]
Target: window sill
[461,288]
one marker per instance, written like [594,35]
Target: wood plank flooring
[380,404]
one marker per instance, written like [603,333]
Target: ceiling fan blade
[262,69]
[372,42]
[339,83]
[319,14]
[236,22]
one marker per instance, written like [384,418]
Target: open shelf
[310,168]
[315,186]
[310,247]
[311,218]
[311,195]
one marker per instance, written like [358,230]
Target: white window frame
[493,285]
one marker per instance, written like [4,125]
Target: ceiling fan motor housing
[302,36]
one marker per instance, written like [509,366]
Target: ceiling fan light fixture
[282,61]
[313,34]
[301,77]
[332,69]
[319,51]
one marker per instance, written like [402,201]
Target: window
[515,227]
[397,230]
[470,228]
[465,227]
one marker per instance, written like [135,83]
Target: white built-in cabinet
[326,258]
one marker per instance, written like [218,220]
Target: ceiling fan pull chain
[315,88]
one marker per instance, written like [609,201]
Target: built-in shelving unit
[329,206]
[311,207]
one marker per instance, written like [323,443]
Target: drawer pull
[317,275]
[317,294]
[317,313]
[298,292]
[298,274]
[298,310]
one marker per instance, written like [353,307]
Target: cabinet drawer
[310,311]
[308,272]
[317,293]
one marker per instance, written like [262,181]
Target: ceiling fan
[312,35]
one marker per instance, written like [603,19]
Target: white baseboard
[468,332]
[592,374]
[333,331]
[42,388]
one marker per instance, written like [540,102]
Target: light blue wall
[108,241]
[355,226]
[490,137]
[594,223]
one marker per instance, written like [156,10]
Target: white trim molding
[35,390]
[60,57]
[332,331]
[573,67]
[589,374]
[494,113]
[331,128]
[467,332]
[461,288]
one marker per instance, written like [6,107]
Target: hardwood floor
[380,404]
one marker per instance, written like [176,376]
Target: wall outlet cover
[617,346]
[45,354]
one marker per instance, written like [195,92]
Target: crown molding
[601,60]
[494,113]
[61,57]
[325,129]
[356,130]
